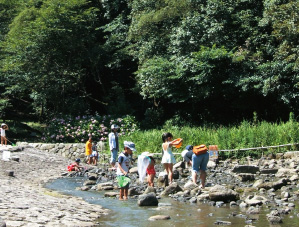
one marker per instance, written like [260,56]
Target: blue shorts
[200,162]
[113,156]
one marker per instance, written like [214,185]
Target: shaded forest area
[191,61]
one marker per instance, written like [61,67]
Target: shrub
[77,129]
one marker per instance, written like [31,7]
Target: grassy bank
[246,135]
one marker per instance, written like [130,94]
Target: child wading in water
[151,172]
[168,158]
[123,169]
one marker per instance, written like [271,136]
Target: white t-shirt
[125,164]
[2,132]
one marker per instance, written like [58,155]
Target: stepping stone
[159,217]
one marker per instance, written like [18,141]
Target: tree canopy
[193,60]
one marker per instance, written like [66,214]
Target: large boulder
[221,193]
[149,199]
[171,189]
[245,169]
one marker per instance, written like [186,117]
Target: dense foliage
[189,61]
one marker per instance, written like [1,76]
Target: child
[168,158]
[3,135]
[88,150]
[151,172]
[75,166]
[123,169]
[95,154]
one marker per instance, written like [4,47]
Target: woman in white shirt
[3,135]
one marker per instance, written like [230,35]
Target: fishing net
[123,181]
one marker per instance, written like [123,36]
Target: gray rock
[9,173]
[222,223]
[179,165]
[190,186]
[268,171]
[2,223]
[133,191]
[111,194]
[193,200]
[150,189]
[89,182]
[134,170]
[255,200]
[246,177]
[171,189]
[162,180]
[148,200]
[275,185]
[159,217]
[92,176]
[253,210]
[221,193]
[245,169]
[219,203]
[15,158]
[283,172]
[176,174]
[105,186]
[274,217]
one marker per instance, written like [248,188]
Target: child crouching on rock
[75,166]
[123,169]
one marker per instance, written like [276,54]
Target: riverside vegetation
[247,134]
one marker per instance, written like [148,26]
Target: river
[129,214]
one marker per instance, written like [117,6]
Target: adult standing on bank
[3,135]
[113,144]
[88,150]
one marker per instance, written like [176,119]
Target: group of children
[146,161]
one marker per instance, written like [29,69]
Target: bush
[77,129]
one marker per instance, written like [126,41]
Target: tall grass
[245,135]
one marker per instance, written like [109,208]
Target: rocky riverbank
[25,202]
[270,183]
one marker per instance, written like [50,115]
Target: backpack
[200,149]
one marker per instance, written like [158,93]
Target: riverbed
[129,214]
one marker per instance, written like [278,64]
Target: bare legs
[168,167]
[150,180]
[123,193]
[203,176]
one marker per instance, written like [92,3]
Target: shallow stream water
[129,214]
